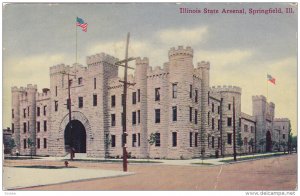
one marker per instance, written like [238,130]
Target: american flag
[82,24]
[271,79]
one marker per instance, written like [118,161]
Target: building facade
[175,103]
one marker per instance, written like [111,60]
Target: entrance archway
[268,142]
[75,136]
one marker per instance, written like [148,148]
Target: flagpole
[76,40]
[267,88]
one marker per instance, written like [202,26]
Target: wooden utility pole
[234,143]
[125,84]
[221,127]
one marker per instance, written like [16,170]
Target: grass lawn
[20,158]
[113,161]
[202,163]
[252,157]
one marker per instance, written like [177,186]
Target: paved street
[277,173]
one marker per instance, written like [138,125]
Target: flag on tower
[80,22]
[271,79]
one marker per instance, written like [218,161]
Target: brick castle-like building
[176,103]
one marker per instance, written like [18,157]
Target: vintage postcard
[150,96]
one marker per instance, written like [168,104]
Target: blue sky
[242,49]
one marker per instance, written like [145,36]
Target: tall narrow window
[38,126]
[55,106]
[12,113]
[133,140]
[191,91]
[246,128]
[24,113]
[139,95]
[157,139]
[38,143]
[139,116]
[38,111]
[113,120]
[24,127]
[229,122]
[139,139]
[94,100]
[191,114]
[191,139]
[12,128]
[196,116]
[213,124]
[68,104]
[113,141]
[80,81]
[157,94]
[213,142]
[95,83]
[174,111]
[157,115]
[196,96]
[45,110]
[174,139]
[113,101]
[229,106]
[28,111]
[122,99]
[133,118]
[229,138]
[212,107]
[45,143]
[45,125]
[25,143]
[208,118]
[174,90]
[134,98]
[55,91]
[219,124]
[80,102]
[196,139]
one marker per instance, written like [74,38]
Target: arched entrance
[268,142]
[75,136]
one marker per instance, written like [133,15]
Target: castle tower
[31,110]
[16,127]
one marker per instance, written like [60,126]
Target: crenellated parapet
[181,52]
[203,65]
[225,88]
[59,68]
[114,83]
[258,98]
[101,58]
[158,71]
[42,96]
[140,61]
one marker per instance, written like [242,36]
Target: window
[157,94]
[133,140]
[24,127]
[113,141]
[94,100]
[45,107]
[45,143]
[38,126]
[174,90]
[252,129]
[24,113]
[122,99]
[213,124]
[95,83]
[139,139]
[139,95]
[55,106]
[80,81]
[219,142]
[38,143]
[68,104]
[157,115]
[134,98]
[229,138]
[219,124]
[229,106]
[113,120]
[157,139]
[283,136]
[80,102]
[12,128]
[174,112]
[28,111]
[196,116]
[191,139]
[196,139]
[12,113]
[229,122]
[191,114]
[55,91]
[139,116]
[196,96]
[208,117]
[133,118]
[45,125]
[212,107]
[174,139]
[191,91]
[246,128]
[240,122]
[213,142]
[208,144]
[25,143]
[113,101]
[38,111]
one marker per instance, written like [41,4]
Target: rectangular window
[174,139]
[139,116]
[113,101]
[38,143]
[134,98]
[55,91]
[191,91]
[28,111]
[113,141]
[213,124]
[196,139]
[45,112]
[133,140]
[157,139]
[12,113]
[80,102]
[213,142]
[191,139]
[157,94]
[45,143]
[95,83]
[80,81]
[208,118]
[219,142]
[68,104]
[196,116]
[38,111]
[174,90]
[229,106]
[212,107]
[139,95]
[139,139]
[55,106]
[219,125]
[25,143]
[24,113]
[24,127]
[246,128]
[157,115]
[229,135]
[283,136]
[191,114]
[133,118]
[196,96]
[229,122]
[12,128]
[113,120]
[94,100]
[252,129]
[122,99]
[45,125]
[174,109]
[38,126]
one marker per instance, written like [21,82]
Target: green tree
[294,143]
[11,145]
[151,141]
[240,142]
[251,143]
[31,145]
